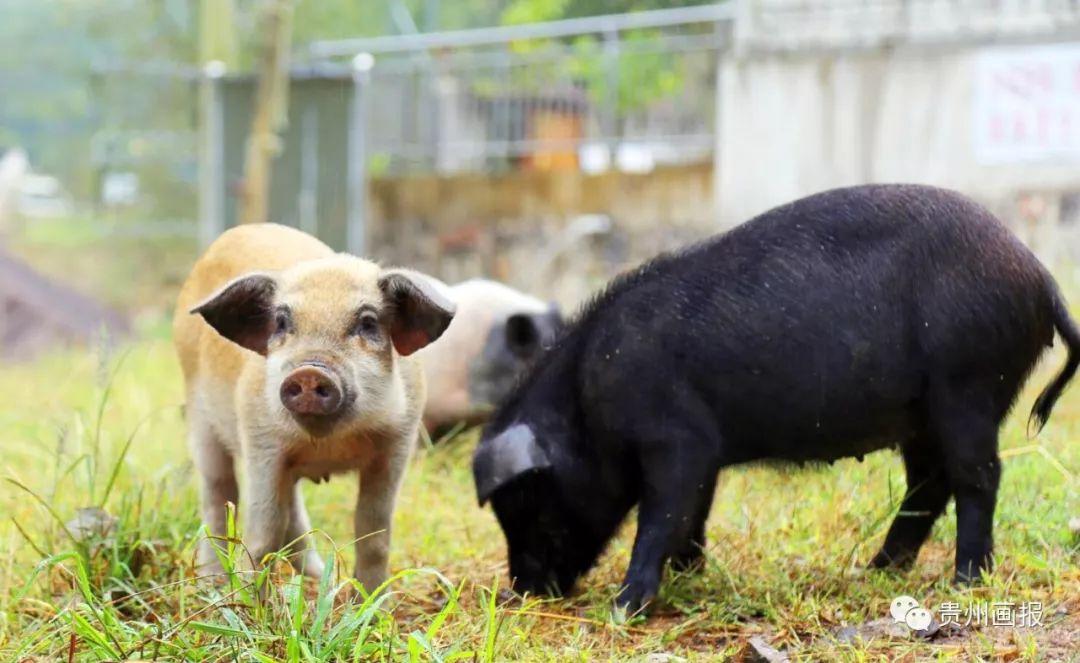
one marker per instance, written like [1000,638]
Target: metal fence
[385,135]
[143,146]
[630,91]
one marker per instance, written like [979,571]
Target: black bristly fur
[846,322]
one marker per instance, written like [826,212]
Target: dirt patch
[37,313]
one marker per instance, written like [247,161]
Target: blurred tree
[625,81]
[338,19]
[51,104]
[49,101]
[531,11]
[217,32]
[269,113]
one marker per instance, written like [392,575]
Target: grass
[786,549]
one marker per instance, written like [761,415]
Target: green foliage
[628,79]
[217,32]
[51,103]
[534,11]
[529,11]
[337,19]
[638,78]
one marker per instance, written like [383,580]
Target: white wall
[795,123]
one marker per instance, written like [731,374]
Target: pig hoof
[619,614]
[884,560]
[630,602]
[689,561]
[968,579]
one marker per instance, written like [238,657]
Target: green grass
[786,549]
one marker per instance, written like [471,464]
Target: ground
[786,549]
[88,428]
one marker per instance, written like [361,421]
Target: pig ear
[506,457]
[242,311]
[422,308]
[522,335]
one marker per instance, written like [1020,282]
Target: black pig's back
[811,331]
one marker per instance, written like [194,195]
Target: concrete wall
[793,123]
[557,234]
[668,196]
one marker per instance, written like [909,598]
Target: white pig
[495,334]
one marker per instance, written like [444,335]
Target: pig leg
[217,488]
[666,514]
[927,495]
[379,483]
[304,558]
[967,422]
[268,494]
[691,554]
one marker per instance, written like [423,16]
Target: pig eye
[281,322]
[367,325]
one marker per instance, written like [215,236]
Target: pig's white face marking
[918,619]
[900,607]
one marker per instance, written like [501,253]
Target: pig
[299,362]
[496,333]
[850,321]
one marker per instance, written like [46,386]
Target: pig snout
[311,390]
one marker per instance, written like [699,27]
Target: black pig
[849,321]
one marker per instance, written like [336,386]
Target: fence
[547,96]
[449,150]
[435,149]
[636,99]
[144,145]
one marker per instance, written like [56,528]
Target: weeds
[784,560]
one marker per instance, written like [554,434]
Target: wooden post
[356,222]
[270,111]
